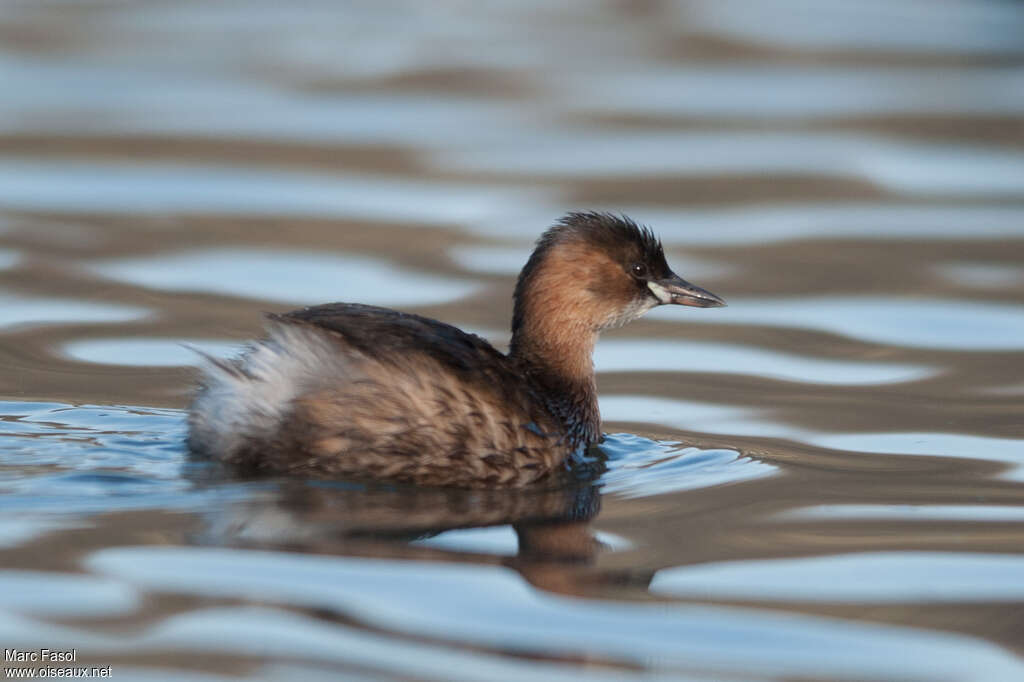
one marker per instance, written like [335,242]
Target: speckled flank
[307,399]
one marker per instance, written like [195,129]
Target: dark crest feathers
[604,229]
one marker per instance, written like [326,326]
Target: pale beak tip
[703,302]
[675,289]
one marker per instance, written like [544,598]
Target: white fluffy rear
[245,399]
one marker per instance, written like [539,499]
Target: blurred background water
[822,481]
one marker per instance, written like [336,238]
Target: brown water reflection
[848,176]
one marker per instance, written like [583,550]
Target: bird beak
[675,289]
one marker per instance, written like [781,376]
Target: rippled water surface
[824,480]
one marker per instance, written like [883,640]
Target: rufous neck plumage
[554,329]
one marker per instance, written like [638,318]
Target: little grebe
[344,389]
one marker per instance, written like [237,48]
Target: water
[824,480]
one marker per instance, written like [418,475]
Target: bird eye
[639,269]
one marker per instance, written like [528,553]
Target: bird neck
[558,360]
[555,323]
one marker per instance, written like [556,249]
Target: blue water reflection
[650,355]
[919,168]
[906,512]
[297,277]
[866,577]
[147,352]
[120,187]
[922,323]
[458,603]
[17,311]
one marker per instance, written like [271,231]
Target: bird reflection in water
[552,523]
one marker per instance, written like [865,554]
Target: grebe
[352,390]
